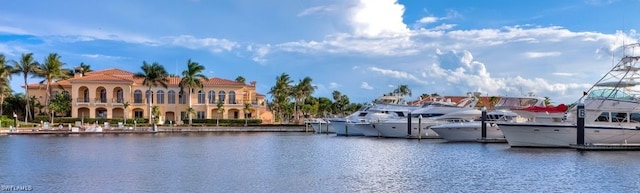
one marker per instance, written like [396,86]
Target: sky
[361,48]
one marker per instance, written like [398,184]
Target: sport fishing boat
[612,113]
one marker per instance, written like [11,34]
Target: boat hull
[467,132]
[564,135]
[341,128]
[320,127]
[367,129]
[399,130]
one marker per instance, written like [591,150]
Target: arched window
[149,95]
[85,95]
[232,97]
[160,97]
[137,96]
[200,97]
[119,96]
[103,95]
[212,97]
[182,99]
[221,96]
[171,97]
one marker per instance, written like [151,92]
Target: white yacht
[530,108]
[319,125]
[612,113]
[430,114]
[383,108]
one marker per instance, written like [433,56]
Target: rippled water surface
[302,162]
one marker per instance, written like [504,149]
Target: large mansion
[103,94]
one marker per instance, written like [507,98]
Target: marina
[302,162]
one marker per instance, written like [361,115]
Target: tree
[84,68]
[280,95]
[240,79]
[324,106]
[191,78]
[155,111]
[25,67]
[60,103]
[153,75]
[247,110]
[190,111]
[220,110]
[402,90]
[50,70]
[126,111]
[300,92]
[493,100]
[547,101]
[5,76]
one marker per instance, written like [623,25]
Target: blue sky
[362,48]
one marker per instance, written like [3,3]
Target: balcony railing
[100,100]
[117,100]
[82,100]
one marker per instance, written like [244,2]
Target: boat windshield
[516,102]
[610,94]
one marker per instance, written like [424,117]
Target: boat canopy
[512,102]
[618,84]
[610,94]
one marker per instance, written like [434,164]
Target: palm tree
[51,70]
[403,90]
[247,109]
[280,94]
[5,76]
[126,106]
[547,101]
[84,68]
[220,110]
[191,78]
[26,66]
[240,79]
[153,75]
[190,111]
[300,92]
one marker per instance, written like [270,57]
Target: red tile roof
[125,76]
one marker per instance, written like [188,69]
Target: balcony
[82,101]
[117,102]
[100,101]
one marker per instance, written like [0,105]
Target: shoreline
[161,129]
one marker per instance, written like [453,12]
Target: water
[302,162]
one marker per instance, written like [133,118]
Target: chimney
[77,72]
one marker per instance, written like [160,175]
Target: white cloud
[397,74]
[12,30]
[334,85]
[563,74]
[541,54]
[366,85]
[379,18]
[100,56]
[212,44]
[426,20]
[315,10]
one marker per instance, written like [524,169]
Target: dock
[606,147]
[148,130]
[492,140]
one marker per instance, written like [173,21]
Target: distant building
[102,94]
[485,101]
